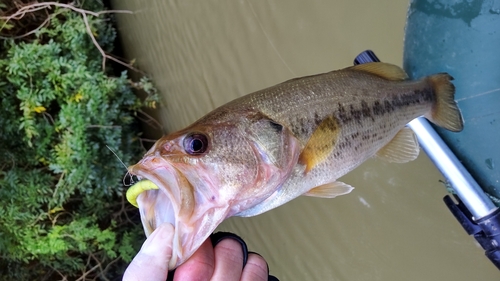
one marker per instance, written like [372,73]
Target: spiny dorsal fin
[320,144]
[384,70]
[402,148]
[330,190]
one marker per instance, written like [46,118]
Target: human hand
[224,261]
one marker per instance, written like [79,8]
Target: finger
[221,235]
[151,263]
[228,260]
[256,269]
[200,266]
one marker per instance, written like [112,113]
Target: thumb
[151,263]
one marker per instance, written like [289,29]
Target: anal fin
[402,148]
[330,190]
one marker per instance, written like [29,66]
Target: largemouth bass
[296,138]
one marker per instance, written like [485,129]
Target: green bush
[62,209]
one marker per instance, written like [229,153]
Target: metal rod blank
[459,178]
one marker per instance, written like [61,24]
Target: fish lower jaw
[157,208]
[176,251]
[157,213]
[165,205]
[158,198]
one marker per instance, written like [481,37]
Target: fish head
[214,169]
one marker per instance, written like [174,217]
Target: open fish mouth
[165,195]
[158,197]
[148,197]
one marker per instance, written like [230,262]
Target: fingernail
[215,238]
[262,258]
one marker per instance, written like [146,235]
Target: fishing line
[127,175]
[117,157]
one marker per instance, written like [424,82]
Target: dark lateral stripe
[364,110]
[418,96]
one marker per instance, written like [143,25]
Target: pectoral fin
[320,144]
[330,190]
[402,148]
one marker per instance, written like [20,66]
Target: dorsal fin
[384,70]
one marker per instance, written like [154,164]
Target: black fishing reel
[486,230]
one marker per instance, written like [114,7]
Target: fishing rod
[474,210]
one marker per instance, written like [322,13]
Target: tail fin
[445,112]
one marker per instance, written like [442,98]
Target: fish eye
[195,143]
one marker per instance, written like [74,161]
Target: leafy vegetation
[63,215]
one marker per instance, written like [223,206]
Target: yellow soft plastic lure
[136,189]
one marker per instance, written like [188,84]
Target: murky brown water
[393,226]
